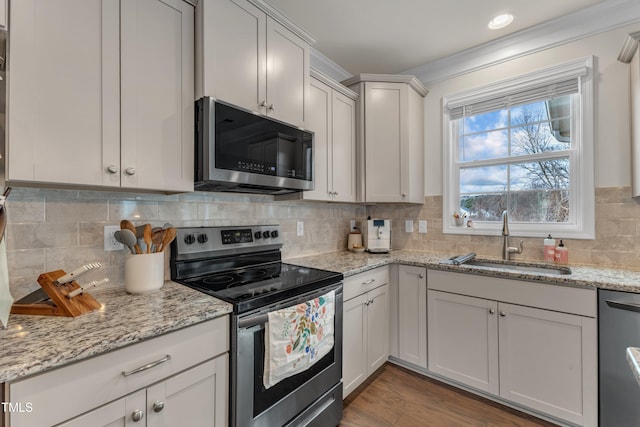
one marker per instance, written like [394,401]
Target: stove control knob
[258,234]
[189,239]
[266,234]
[203,238]
[274,234]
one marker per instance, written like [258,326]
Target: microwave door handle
[629,306]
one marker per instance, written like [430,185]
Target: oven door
[304,398]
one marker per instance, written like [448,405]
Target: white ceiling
[392,36]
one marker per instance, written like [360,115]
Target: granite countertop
[633,356]
[32,344]
[349,263]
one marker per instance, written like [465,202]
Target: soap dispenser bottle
[562,254]
[549,249]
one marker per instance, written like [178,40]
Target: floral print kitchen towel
[296,337]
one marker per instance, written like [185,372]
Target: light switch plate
[408,226]
[422,226]
[300,228]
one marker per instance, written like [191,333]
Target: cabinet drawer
[364,282]
[63,393]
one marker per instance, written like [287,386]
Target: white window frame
[582,183]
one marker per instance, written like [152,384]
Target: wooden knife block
[58,304]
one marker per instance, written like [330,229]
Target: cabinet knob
[263,103]
[370,301]
[272,107]
[112,169]
[492,311]
[158,406]
[421,276]
[137,415]
[130,171]
[503,314]
[404,194]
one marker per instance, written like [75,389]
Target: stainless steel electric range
[243,266]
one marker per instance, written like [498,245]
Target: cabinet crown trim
[389,78]
[333,84]
[629,47]
[284,20]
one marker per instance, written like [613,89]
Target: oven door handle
[247,322]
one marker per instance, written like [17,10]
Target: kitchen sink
[525,268]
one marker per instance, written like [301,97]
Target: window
[524,145]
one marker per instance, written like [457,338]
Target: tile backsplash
[52,229]
[61,229]
[617,242]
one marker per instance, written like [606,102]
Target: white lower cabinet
[180,378]
[412,315]
[514,344]
[366,327]
[185,399]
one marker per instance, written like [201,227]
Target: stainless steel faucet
[506,249]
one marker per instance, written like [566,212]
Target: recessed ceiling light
[500,21]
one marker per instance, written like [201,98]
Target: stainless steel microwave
[240,151]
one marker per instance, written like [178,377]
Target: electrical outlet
[422,226]
[300,228]
[110,242]
[408,226]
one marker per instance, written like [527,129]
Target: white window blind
[563,80]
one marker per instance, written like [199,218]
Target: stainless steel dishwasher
[619,328]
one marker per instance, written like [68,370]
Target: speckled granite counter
[349,263]
[633,356]
[32,344]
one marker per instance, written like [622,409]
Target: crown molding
[281,18]
[583,23]
[333,84]
[629,47]
[327,66]
[389,78]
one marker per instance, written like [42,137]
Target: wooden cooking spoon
[169,235]
[128,225]
[156,238]
[147,237]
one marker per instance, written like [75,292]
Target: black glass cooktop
[257,286]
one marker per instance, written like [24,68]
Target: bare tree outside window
[533,181]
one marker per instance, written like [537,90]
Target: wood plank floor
[394,396]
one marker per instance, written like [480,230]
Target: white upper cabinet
[391,138]
[101,93]
[331,115]
[249,55]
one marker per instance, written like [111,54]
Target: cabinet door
[343,148]
[412,315]
[354,347]
[287,74]
[377,328]
[319,121]
[385,114]
[197,397]
[547,360]
[232,51]
[157,95]
[463,339]
[119,413]
[64,92]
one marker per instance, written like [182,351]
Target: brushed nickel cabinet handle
[147,366]
[158,406]
[137,415]
[368,282]
[503,314]
[112,169]
[492,311]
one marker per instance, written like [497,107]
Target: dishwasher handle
[629,306]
